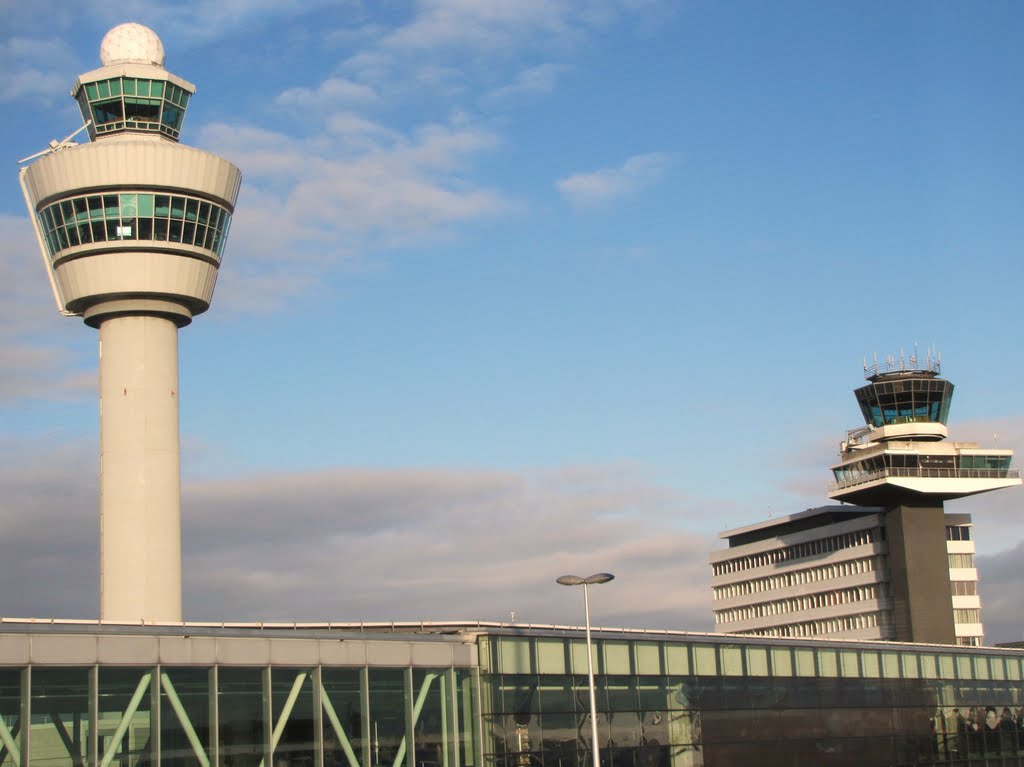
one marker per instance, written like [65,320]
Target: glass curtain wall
[675,704]
[197,716]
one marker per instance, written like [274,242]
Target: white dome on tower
[131,43]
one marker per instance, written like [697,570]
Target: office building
[825,572]
[894,566]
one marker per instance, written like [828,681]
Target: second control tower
[900,461]
[132,227]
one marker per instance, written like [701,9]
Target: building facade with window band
[825,572]
[469,695]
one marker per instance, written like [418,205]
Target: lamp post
[575,580]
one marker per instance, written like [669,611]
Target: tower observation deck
[900,452]
[132,228]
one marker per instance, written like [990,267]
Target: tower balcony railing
[917,472]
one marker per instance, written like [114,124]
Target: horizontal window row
[967,615]
[906,401]
[960,561]
[797,577]
[958,532]
[929,466]
[963,588]
[825,626]
[552,660]
[800,551]
[134,216]
[130,103]
[799,604]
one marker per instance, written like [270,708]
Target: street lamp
[593,580]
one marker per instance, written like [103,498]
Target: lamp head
[575,580]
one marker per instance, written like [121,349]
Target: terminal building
[132,229]
[893,565]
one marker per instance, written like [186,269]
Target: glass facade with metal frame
[516,697]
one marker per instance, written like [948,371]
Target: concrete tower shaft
[132,228]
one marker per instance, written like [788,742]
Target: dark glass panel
[184,716]
[241,726]
[163,206]
[296,744]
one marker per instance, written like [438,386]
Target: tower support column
[140,473]
[919,574]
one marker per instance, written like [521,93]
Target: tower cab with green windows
[899,453]
[132,92]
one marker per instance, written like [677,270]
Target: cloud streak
[604,187]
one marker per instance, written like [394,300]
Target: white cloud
[41,355]
[331,93]
[600,188]
[352,544]
[36,70]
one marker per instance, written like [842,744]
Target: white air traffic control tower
[132,228]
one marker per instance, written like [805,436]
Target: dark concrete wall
[919,574]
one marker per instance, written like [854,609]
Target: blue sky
[530,286]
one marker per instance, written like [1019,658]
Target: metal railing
[946,473]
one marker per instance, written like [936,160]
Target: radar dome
[132,43]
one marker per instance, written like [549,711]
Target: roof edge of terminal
[845,509]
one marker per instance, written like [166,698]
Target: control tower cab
[900,453]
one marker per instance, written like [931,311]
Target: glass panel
[910,665]
[129,205]
[433,748]
[980,668]
[343,716]
[946,670]
[292,705]
[60,716]
[110,206]
[757,661]
[156,88]
[998,668]
[142,87]
[240,708]
[828,664]
[95,207]
[1013,672]
[648,658]
[704,660]
[184,716]
[731,659]
[128,85]
[388,703]
[145,203]
[963,667]
[124,699]
[550,652]
[163,206]
[782,662]
[514,655]
[804,661]
[81,209]
[178,207]
[92,91]
[115,87]
[191,209]
[677,658]
[616,658]
[869,664]
[104,89]
[10,713]
[890,665]
[577,648]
